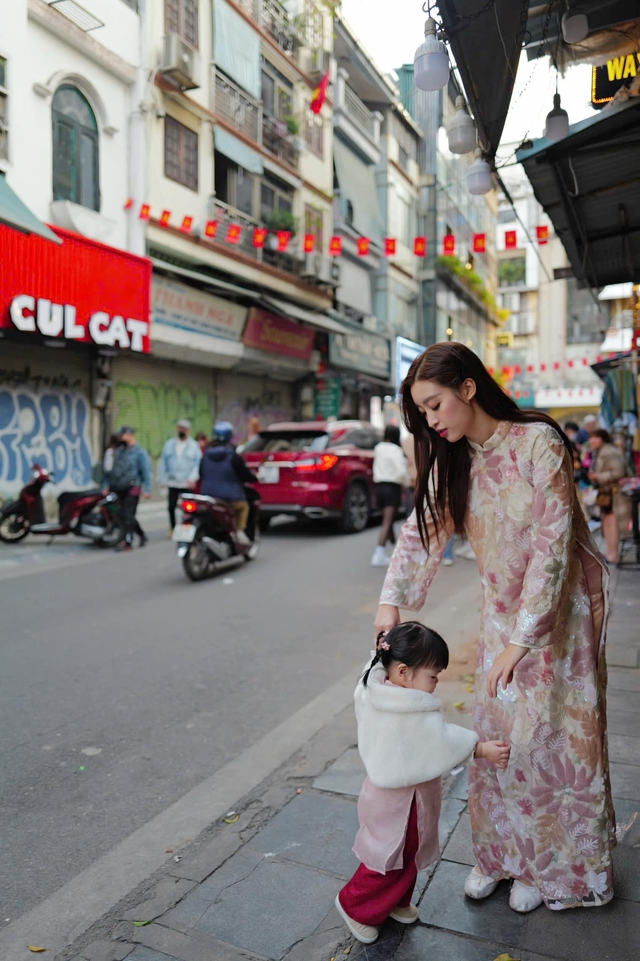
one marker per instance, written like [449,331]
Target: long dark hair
[392,434]
[450,364]
[412,644]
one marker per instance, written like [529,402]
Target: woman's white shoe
[479,886]
[524,897]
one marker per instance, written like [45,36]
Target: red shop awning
[79,291]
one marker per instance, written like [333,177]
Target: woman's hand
[502,668]
[387,617]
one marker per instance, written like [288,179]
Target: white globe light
[462,130]
[575,27]
[479,180]
[431,63]
[557,125]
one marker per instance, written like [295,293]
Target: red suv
[315,470]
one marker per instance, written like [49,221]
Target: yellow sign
[615,73]
[505,339]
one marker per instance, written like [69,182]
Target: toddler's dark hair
[412,644]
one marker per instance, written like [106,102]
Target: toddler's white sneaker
[365,933]
[408,915]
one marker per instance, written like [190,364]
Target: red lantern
[448,245]
[128,204]
[543,366]
[569,363]
[210,228]
[479,243]
[389,246]
[510,240]
[144,212]
[585,362]
[598,358]
[233,233]
[309,243]
[542,235]
[335,246]
[556,365]
[164,218]
[517,369]
[420,246]
[185,226]
[362,246]
[283,237]
[529,368]
[259,237]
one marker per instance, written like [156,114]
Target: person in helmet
[223,474]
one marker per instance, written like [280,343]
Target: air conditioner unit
[315,62]
[180,62]
[324,270]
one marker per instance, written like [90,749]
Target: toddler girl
[405,745]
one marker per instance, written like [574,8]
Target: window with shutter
[75,149]
[181,17]
[180,153]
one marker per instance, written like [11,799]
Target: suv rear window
[273,442]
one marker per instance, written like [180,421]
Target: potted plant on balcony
[278,219]
[293,127]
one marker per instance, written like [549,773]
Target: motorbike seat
[68,496]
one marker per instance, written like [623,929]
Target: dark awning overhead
[15,214]
[486,51]
[589,185]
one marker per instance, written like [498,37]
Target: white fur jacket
[403,737]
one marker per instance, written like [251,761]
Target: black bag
[604,498]
[123,473]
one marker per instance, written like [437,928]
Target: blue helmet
[222,431]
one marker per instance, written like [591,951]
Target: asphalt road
[123,685]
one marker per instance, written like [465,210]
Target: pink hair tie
[384,646]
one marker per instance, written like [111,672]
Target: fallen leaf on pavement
[168,850]
[36,950]
[459,705]
[469,688]
[347,950]
[231,820]
[140,924]
[469,678]
[506,957]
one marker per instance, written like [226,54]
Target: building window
[180,153]
[277,93]
[313,224]
[506,215]
[4,113]
[234,185]
[181,17]
[314,133]
[512,272]
[276,204]
[75,149]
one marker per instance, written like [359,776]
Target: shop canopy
[15,214]
[589,185]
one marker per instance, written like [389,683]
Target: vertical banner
[164,218]
[210,228]
[420,246]
[259,237]
[448,245]
[542,235]
[233,234]
[479,243]
[389,246]
[335,246]
[362,246]
[309,243]
[510,240]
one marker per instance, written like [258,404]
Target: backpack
[123,473]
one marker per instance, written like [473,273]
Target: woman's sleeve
[551,525]
[411,570]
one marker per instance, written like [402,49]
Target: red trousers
[369,897]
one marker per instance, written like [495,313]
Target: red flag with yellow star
[319,95]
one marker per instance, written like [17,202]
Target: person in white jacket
[390,476]
[406,746]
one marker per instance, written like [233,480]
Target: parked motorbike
[206,538]
[87,513]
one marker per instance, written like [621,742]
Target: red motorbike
[207,539]
[88,514]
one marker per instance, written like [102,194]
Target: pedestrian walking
[614,506]
[406,746]
[179,467]
[107,461]
[390,476]
[129,479]
[505,478]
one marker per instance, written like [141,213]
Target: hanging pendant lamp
[575,26]
[462,130]
[557,125]
[479,179]
[431,63]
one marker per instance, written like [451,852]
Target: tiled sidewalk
[266,890]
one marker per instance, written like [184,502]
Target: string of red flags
[515,370]
[233,233]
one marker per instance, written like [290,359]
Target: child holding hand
[405,745]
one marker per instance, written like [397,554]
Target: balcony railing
[275,20]
[252,7]
[275,140]
[359,113]
[225,215]
[236,107]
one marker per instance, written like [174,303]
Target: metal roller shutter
[242,396]
[151,395]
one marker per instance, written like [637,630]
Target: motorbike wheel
[13,527]
[197,562]
[111,537]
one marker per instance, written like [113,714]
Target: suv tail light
[188,506]
[323,462]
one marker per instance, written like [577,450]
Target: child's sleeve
[452,745]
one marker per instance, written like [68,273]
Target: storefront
[66,310]
[362,361]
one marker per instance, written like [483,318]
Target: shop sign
[177,305]
[615,73]
[361,350]
[406,352]
[78,291]
[278,335]
[327,398]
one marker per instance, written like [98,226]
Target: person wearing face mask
[179,466]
